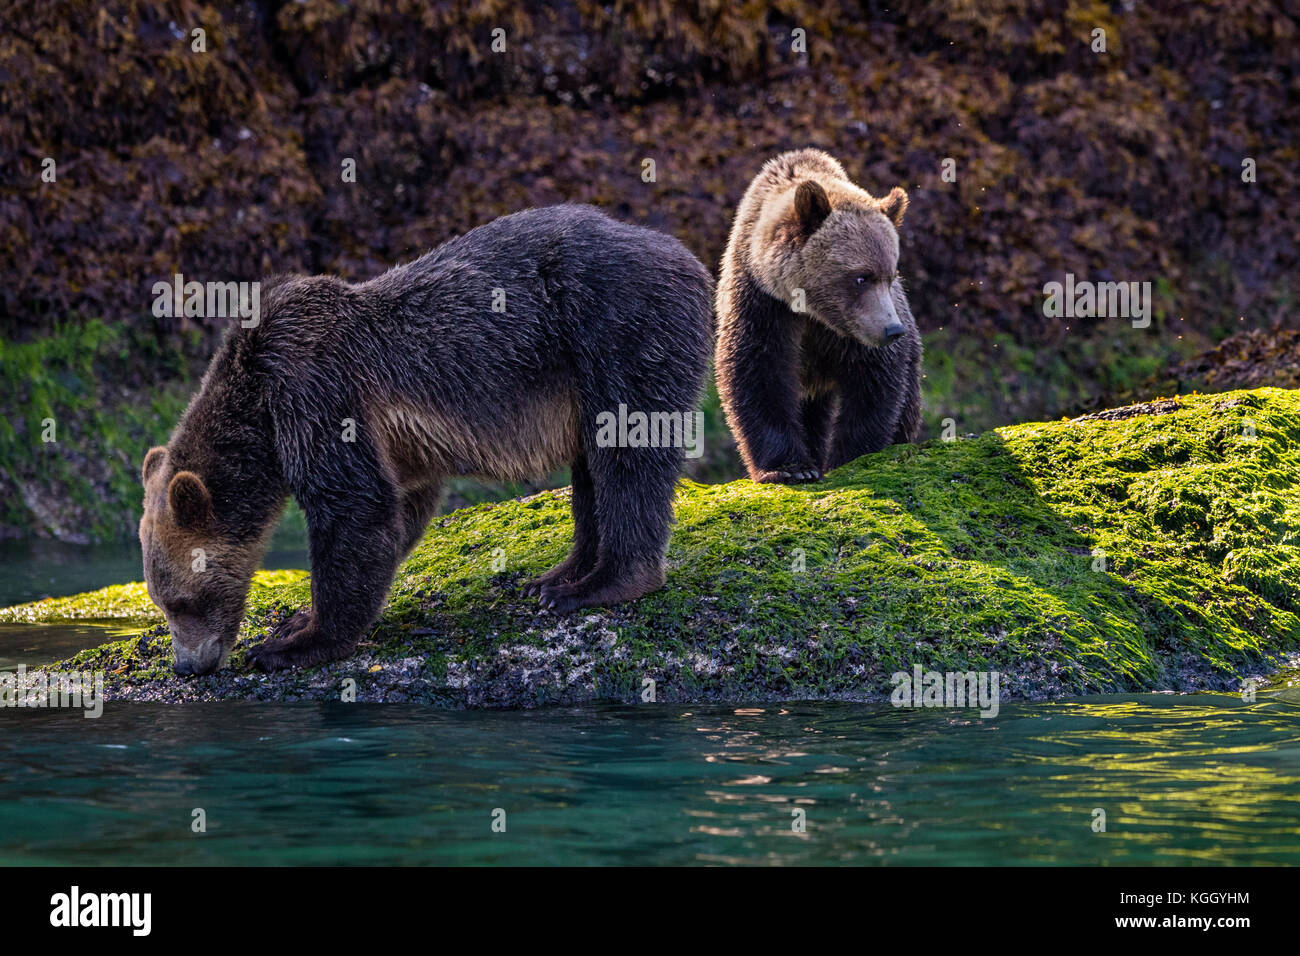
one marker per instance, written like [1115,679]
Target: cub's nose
[894,331]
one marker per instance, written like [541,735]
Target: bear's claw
[296,642]
[292,624]
[559,602]
[794,476]
[284,653]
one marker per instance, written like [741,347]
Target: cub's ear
[811,206]
[189,500]
[894,205]
[152,460]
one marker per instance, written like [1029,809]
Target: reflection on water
[1198,780]
[31,569]
[35,645]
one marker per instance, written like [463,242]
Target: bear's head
[197,574]
[835,257]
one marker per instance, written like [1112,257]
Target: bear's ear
[189,500]
[894,205]
[152,460]
[811,206]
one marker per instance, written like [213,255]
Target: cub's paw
[789,475]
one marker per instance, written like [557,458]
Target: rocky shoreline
[1154,548]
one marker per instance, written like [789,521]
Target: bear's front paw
[297,642]
[299,620]
[788,475]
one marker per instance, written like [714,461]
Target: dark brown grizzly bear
[818,357]
[493,355]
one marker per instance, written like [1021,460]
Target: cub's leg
[586,534]
[356,545]
[818,413]
[758,379]
[633,509]
[870,406]
[909,418]
[909,371]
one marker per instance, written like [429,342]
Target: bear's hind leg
[634,505]
[418,506]
[586,535]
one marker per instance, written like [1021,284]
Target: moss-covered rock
[70,444]
[122,602]
[1143,548]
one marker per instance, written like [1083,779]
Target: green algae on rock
[122,602]
[1148,548]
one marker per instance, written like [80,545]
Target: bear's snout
[202,658]
[879,324]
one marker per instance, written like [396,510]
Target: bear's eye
[860,280]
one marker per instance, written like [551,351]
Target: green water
[1203,779]
[1183,780]
[37,645]
[35,568]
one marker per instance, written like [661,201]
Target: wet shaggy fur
[429,381]
[806,391]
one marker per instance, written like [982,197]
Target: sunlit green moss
[129,602]
[1151,551]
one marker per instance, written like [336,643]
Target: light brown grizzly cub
[818,357]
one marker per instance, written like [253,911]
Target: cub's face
[198,579]
[845,261]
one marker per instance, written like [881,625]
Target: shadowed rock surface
[1166,159]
